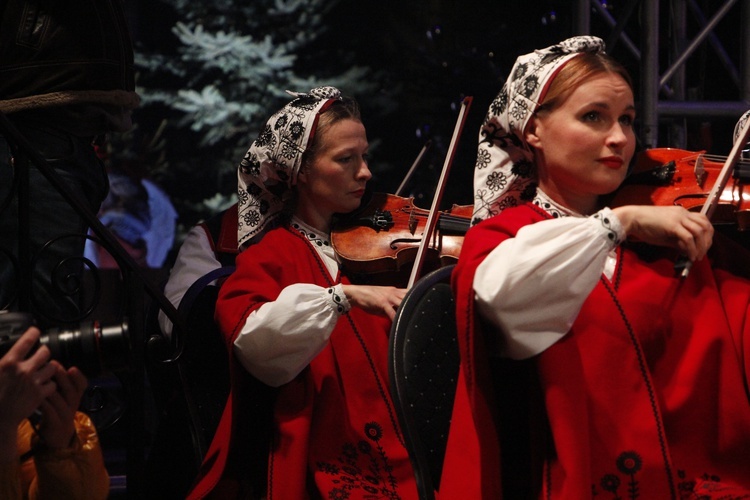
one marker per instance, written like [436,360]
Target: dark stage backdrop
[431,54]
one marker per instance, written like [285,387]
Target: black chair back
[190,394]
[423,366]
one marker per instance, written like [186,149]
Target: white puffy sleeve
[531,287]
[282,337]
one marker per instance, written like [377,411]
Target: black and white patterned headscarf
[504,174]
[270,167]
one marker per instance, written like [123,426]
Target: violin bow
[432,218]
[713,196]
[413,167]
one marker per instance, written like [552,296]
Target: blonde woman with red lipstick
[299,331]
[635,377]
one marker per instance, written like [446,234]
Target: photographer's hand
[56,427]
[24,384]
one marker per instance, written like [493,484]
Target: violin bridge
[700,171]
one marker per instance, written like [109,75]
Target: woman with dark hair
[296,324]
[638,385]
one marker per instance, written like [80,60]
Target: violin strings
[720,159]
[445,216]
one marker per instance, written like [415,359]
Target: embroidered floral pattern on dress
[707,486]
[363,469]
[628,463]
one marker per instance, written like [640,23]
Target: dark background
[436,52]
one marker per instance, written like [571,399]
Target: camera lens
[91,348]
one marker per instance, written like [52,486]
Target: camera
[93,348]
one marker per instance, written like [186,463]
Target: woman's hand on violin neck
[380,300]
[670,226]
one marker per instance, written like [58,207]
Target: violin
[668,176]
[391,231]
[385,234]
[383,237]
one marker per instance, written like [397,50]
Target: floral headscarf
[270,167]
[504,174]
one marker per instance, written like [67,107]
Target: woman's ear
[532,139]
[302,174]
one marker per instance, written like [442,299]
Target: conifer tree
[225,70]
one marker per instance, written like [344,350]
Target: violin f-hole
[407,241]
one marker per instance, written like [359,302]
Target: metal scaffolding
[663,84]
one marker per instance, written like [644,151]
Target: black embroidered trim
[311,237]
[540,211]
[383,393]
[324,272]
[611,233]
[548,468]
[337,299]
[271,457]
[647,381]
[468,363]
[549,208]
[321,266]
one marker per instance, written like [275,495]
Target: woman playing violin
[640,374]
[294,323]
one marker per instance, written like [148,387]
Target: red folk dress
[645,397]
[335,433]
